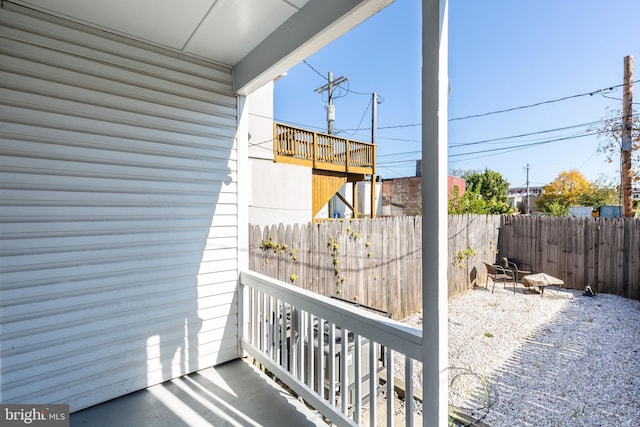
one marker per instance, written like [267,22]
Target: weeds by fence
[378,262]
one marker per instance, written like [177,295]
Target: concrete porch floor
[232,394]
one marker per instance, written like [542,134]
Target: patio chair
[518,268]
[497,272]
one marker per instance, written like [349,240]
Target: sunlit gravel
[563,359]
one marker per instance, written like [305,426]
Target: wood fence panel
[374,297]
[607,257]
[604,256]
[407,273]
[508,243]
[610,237]
[457,243]
[619,255]
[633,279]
[565,238]
[417,257]
[392,246]
[578,255]
[381,253]
[380,260]
[313,278]
[589,250]
[297,264]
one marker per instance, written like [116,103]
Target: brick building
[402,196]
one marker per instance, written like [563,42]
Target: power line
[390,127]
[339,86]
[531,144]
[532,133]
[465,144]
[489,152]
[361,118]
[317,72]
[537,104]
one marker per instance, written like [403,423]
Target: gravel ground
[560,360]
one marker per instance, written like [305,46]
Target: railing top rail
[324,135]
[388,332]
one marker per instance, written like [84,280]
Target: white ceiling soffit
[220,30]
[256,35]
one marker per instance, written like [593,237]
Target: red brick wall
[401,196]
[454,181]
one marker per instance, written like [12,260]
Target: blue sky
[502,54]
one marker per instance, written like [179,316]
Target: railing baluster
[300,345]
[408,393]
[390,388]
[332,363]
[269,309]
[284,336]
[358,377]
[262,322]
[320,359]
[277,322]
[344,393]
[252,316]
[373,383]
[310,348]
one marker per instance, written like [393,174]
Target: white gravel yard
[559,360]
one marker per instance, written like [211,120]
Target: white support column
[244,188]
[434,211]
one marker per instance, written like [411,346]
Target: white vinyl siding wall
[118,216]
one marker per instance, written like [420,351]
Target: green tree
[486,193]
[556,208]
[490,184]
[602,193]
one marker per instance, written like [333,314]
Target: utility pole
[627,123]
[331,109]
[374,127]
[331,116]
[528,210]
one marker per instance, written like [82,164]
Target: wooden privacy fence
[601,252]
[378,262]
[375,262]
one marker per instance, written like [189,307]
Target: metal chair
[497,272]
[518,268]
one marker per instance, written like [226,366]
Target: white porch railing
[302,338]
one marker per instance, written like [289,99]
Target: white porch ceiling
[223,30]
[229,32]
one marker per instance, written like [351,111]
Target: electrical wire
[487,153]
[325,78]
[361,119]
[465,144]
[617,99]
[537,104]
[531,144]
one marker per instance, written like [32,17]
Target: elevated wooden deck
[322,151]
[335,160]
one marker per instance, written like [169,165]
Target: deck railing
[322,151]
[330,353]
